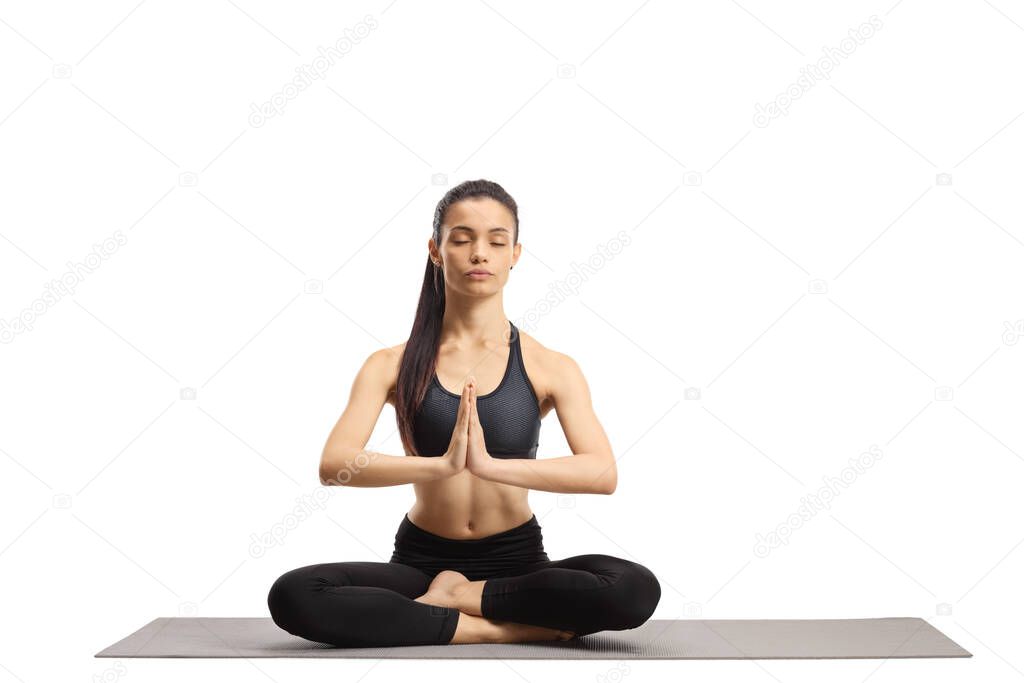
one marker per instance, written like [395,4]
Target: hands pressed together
[467,449]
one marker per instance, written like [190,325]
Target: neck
[474,327]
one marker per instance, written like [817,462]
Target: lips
[478,272]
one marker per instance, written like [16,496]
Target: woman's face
[476,234]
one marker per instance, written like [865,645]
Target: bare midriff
[464,506]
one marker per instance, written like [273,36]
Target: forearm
[580,473]
[356,467]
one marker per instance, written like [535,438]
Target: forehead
[480,214]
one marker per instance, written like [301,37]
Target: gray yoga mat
[897,637]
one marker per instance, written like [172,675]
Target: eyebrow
[463,227]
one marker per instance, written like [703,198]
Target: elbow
[610,480]
[328,477]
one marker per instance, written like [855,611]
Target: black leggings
[371,604]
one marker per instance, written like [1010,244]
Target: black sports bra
[509,415]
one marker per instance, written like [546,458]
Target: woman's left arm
[591,468]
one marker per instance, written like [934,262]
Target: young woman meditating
[469,564]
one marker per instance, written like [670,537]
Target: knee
[289,595]
[282,600]
[636,594]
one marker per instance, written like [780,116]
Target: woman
[469,564]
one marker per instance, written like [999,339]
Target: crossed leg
[577,595]
[452,589]
[371,604]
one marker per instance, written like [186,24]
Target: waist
[451,506]
[477,558]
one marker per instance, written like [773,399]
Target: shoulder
[384,364]
[556,371]
[384,358]
[551,359]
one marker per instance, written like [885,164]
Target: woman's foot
[473,629]
[444,589]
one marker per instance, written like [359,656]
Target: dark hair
[419,360]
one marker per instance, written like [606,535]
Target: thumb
[462,421]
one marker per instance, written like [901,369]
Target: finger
[476,428]
[464,405]
[471,407]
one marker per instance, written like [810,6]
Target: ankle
[474,629]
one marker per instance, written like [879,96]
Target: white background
[811,278]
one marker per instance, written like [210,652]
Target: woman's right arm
[348,466]
[345,463]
